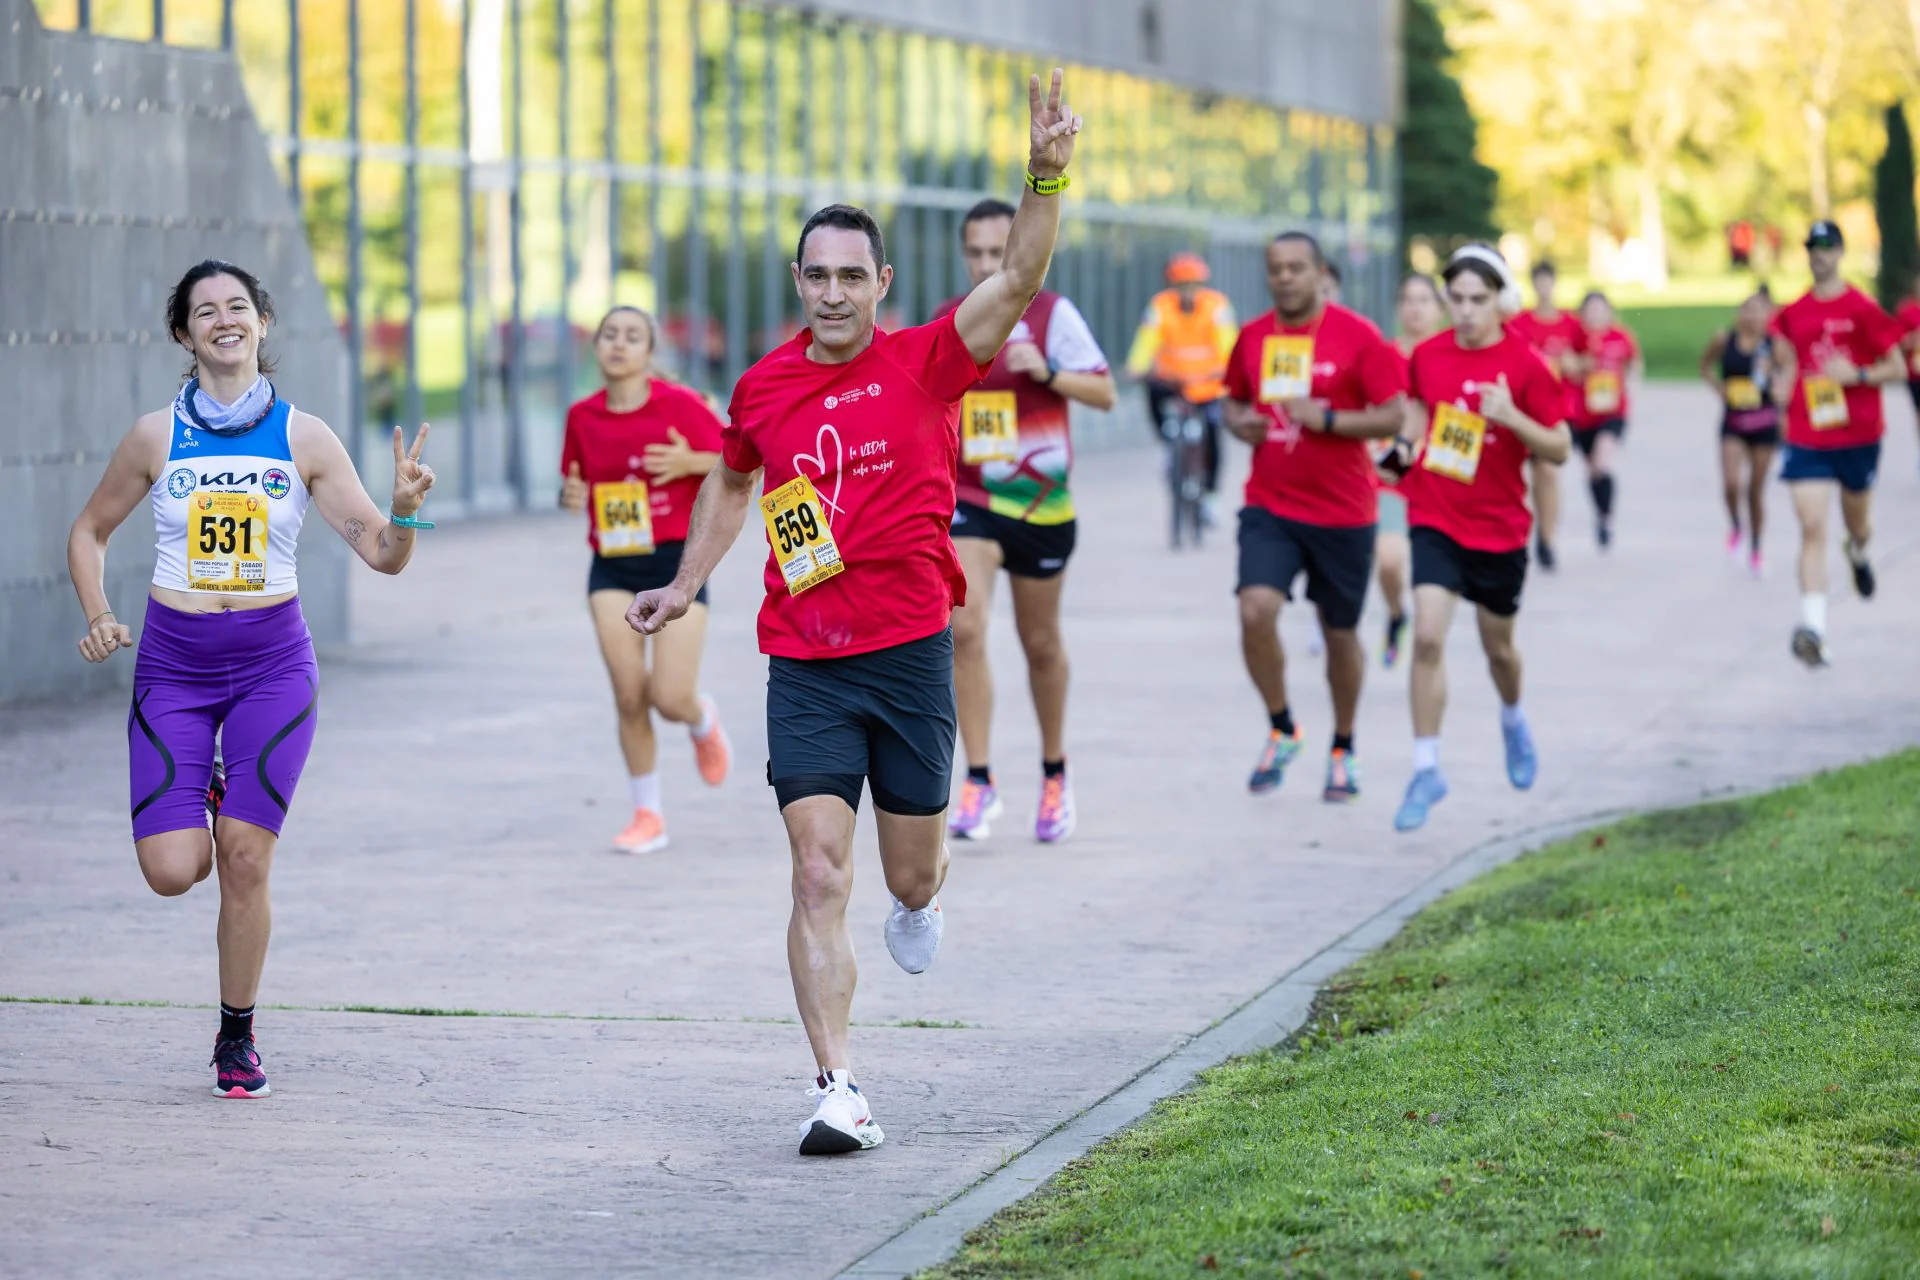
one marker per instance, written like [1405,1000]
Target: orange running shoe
[711,750]
[647,833]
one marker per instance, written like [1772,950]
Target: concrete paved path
[638,1114]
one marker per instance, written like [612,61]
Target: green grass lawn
[1684,1046]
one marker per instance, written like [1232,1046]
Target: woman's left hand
[671,461]
[411,477]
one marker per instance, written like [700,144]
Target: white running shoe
[841,1120]
[913,937]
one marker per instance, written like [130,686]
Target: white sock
[1813,612]
[1426,753]
[646,791]
[705,726]
[1512,717]
[1856,551]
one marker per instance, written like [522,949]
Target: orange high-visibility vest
[1189,352]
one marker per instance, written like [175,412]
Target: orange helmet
[1187,268]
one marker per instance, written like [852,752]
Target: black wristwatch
[1330,414]
[1053,371]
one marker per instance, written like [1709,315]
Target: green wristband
[409,522]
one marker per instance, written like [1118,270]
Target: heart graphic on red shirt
[819,460]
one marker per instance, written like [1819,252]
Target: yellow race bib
[1826,404]
[623,518]
[801,538]
[1454,442]
[989,428]
[226,542]
[1286,368]
[1603,391]
[1743,394]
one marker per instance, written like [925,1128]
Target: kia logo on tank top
[231,481]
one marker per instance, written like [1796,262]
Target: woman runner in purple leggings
[229,469]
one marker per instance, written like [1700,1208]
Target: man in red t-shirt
[1610,365]
[1845,349]
[1308,384]
[1480,404]
[854,432]
[1908,316]
[1556,336]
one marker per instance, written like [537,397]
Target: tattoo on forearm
[355,531]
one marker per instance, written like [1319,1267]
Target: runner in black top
[1739,365]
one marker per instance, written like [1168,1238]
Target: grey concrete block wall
[121,164]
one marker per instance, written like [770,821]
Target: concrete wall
[1336,56]
[121,165]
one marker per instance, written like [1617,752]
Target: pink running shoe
[1056,818]
[239,1073]
[979,806]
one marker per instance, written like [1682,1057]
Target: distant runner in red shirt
[1610,367]
[1016,513]
[1557,337]
[1480,403]
[1421,312]
[1308,384]
[1845,349]
[855,434]
[1908,314]
[633,459]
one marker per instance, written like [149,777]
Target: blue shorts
[1853,467]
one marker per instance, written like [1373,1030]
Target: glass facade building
[479,179]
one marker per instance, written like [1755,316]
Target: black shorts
[1490,579]
[1913,389]
[634,574]
[1765,437]
[1027,550]
[1338,563]
[886,718]
[1584,437]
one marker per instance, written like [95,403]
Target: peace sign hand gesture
[411,477]
[1053,128]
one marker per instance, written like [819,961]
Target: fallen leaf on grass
[1826,1227]
[1583,1233]
[1302,1251]
[1415,1273]
[1446,1186]
[1628,1116]
[1832,1088]
[1209,1262]
[1440,980]
[1492,1166]
[1599,842]
[1413,1115]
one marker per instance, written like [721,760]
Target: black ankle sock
[1343,742]
[981,774]
[1602,487]
[236,1024]
[1053,768]
[1282,721]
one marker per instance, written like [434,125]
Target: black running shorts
[1338,562]
[1027,550]
[1491,579]
[1584,438]
[634,574]
[886,718]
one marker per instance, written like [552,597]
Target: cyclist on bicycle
[1181,352]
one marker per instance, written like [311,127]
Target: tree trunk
[1653,224]
[1819,163]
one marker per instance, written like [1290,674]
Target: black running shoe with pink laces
[240,1075]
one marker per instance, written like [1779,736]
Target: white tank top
[227,510]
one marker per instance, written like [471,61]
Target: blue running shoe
[1522,762]
[1426,790]
[1274,759]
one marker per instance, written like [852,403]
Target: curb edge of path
[1265,1020]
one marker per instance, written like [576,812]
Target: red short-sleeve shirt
[879,439]
[611,447]
[1315,477]
[1489,512]
[1850,325]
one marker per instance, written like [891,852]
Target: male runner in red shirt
[856,433]
[1845,348]
[1557,337]
[1308,384]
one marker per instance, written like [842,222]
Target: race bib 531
[226,542]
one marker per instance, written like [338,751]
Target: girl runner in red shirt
[1421,313]
[1609,362]
[634,457]
[1480,405]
